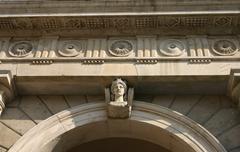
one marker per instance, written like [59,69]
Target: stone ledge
[40,6]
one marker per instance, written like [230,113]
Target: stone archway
[89,122]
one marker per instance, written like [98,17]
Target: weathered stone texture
[8,136]
[55,103]
[183,104]
[34,108]
[230,139]
[164,100]
[205,109]
[2,149]
[223,120]
[75,100]
[17,120]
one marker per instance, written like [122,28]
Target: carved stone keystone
[119,99]
[6,89]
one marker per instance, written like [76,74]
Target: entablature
[50,64]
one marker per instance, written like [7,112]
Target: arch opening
[88,123]
[118,145]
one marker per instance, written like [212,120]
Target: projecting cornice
[103,6]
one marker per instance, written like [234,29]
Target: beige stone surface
[34,108]
[8,136]
[183,103]
[17,120]
[205,109]
[2,149]
[55,103]
[11,67]
[95,98]
[122,69]
[230,139]
[163,100]
[75,100]
[223,120]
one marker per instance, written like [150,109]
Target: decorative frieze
[172,47]
[146,47]
[119,23]
[70,48]
[139,49]
[21,49]
[223,21]
[121,48]
[225,47]
[96,48]
[198,46]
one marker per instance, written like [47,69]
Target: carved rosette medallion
[121,48]
[172,47]
[21,49]
[70,48]
[224,47]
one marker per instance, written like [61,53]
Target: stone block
[163,100]
[145,98]
[222,120]
[34,108]
[184,103]
[14,103]
[75,100]
[205,109]
[122,69]
[96,98]
[230,139]
[8,136]
[55,103]
[17,120]
[226,102]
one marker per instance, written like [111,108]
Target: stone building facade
[176,61]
